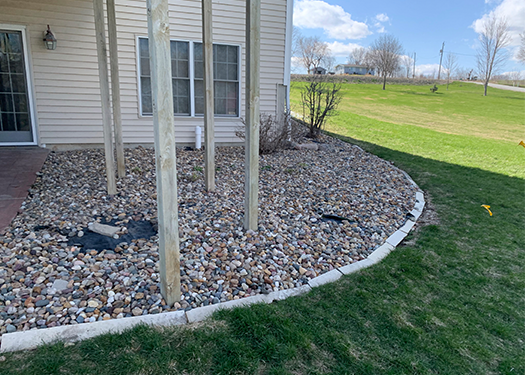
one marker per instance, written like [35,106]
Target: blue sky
[420,26]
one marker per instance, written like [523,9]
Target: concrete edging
[31,339]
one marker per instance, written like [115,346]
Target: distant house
[317,70]
[353,69]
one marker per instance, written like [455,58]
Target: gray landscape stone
[380,253]
[396,238]
[104,229]
[416,214]
[23,340]
[325,278]
[283,294]
[306,146]
[419,206]
[201,313]
[354,267]
[408,226]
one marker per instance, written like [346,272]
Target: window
[180,73]
[225,79]
[188,99]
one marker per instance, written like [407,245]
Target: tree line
[386,56]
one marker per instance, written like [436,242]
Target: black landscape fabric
[142,229]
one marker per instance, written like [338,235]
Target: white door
[16,125]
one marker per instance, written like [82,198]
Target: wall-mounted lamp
[49,40]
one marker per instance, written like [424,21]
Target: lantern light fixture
[49,40]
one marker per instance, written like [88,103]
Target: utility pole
[441,59]
[414,70]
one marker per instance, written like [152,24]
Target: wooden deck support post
[253,39]
[115,87]
[166,164]
[102,55]
[209,105]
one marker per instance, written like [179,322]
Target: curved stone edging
[33,338]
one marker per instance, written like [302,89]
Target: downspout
[288,50]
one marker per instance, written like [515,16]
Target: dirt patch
[428,217]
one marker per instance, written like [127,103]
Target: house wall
[66,82]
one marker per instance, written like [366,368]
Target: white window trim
[29,82]
[192,79]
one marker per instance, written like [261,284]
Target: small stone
[93,303]
[60,285]
[10,328]
[103,229]
[136,311]
[42,303]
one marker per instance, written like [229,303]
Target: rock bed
[45,282]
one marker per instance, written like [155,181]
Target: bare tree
[494,37]
[406,63]
[314,53]
[369,61]
[386,51]
[450,65]
[357,56]
[320,97]
[461,73]
[514,77]
[521,48]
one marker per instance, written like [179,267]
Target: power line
[462,54]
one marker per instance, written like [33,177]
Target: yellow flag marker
[487,207]
[522,143]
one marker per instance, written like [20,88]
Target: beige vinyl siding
[66,83]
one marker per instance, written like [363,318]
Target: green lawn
[457,126]
[450,300]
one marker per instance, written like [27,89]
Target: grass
[459,110]
[457,126]
[450,300]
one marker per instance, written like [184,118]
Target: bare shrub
[273,136]
[320,97]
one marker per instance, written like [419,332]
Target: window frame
[191,62]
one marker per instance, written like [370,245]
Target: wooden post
[115,87]
[102,55]
[209,107]
[166,163]
[251,187]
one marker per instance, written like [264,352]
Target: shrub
[320,97]
[273,136]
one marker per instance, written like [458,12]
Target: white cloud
[521,72]
[427,69]
[513,11]
[338,24]
[381,17]
[339,49]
